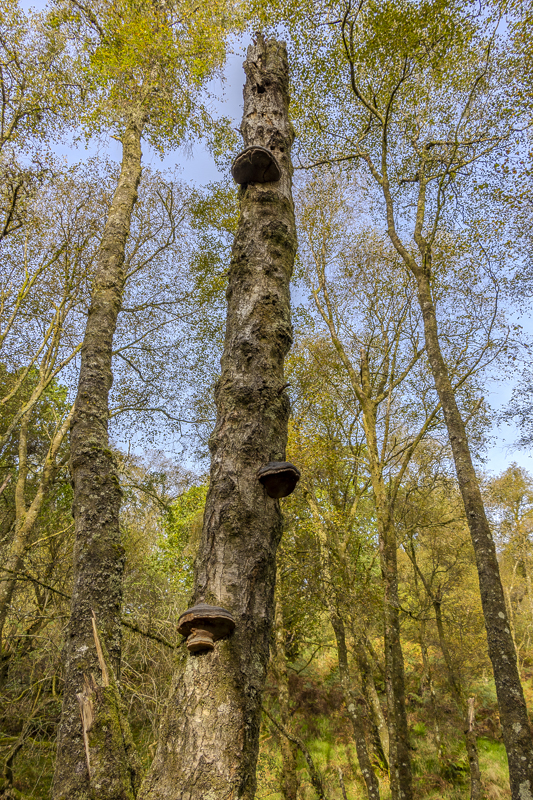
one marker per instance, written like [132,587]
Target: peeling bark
[105,728]
[209,737]
[98,551]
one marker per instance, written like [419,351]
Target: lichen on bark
[210,735]
[98,551]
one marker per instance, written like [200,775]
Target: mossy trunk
[368,688]
[210,735]
[98,551]
[400,770]
[511,702]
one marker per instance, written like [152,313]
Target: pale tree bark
[476,787]
[355,704]
[369,690]
[399,755]
[315,776]
[209,737]
[384,497]
[26,515]
[289,778]
[511,702]
[439,170]
[428,681]
[357,711]
[98,551]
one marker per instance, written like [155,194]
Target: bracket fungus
[255,165]
[203,625]
[279,478]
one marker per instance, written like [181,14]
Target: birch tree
[209,738]
[413,97]
[143,66]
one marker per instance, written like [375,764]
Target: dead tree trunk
[209,738]
[98,551]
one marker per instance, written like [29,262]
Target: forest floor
[319,720]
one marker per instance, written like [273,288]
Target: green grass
[434,778]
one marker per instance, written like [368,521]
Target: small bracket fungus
[203,625]
[279,478]
[255,165]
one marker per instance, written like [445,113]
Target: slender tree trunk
[98,551]
[26,517]
[355,705]
[315,776]
[430,688]
[369,691]
[399,756]
[289,777]
[364,390]
[356,710]
[476,787]
[401,780]
[209,737]
[511,702]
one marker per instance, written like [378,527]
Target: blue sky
[198,167]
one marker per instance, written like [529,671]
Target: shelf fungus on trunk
[279,478]
[255,165]
[203,625]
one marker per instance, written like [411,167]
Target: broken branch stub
[255,165]
[203,625]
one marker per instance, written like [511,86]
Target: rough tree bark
[511,702]
[209,737]
[98,551]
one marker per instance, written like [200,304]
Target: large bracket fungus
[279,478]
[203,625]
[255,165]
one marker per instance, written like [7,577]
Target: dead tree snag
[209,738]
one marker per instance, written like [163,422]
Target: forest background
[354,311]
